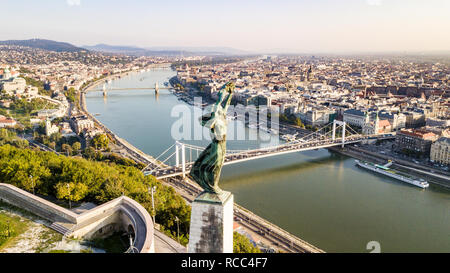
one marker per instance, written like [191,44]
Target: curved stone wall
[120,212]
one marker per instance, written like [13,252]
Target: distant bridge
[323,138]
[135,88]
[105,89]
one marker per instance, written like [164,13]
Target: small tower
[48,126]
[6,73]
[376,125]
[308,73]
[156,87]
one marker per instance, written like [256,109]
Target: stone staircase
[59,228]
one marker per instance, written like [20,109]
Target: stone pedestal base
[211,228]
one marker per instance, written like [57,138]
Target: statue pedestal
[211,229]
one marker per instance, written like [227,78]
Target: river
[319,196]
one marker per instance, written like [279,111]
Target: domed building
[6,74]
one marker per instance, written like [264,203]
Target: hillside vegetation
[92,181]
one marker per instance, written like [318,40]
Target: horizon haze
[352,26]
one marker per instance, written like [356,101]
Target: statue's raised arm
[226,94]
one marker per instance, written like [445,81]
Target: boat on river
[385,170]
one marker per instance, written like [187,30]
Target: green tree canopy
[76,146]
[71,191]
[92,181]
[100,141]
[242,244]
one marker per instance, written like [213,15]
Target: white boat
[383,169]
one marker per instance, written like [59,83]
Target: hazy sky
[260,25]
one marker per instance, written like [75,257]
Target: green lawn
[15,221]
[11,226]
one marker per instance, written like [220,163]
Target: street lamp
[153,190]
[178,228]
[68,190]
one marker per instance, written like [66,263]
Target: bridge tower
[338,122]
[104,90]
[179,147]
[156,88]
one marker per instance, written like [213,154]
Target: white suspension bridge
[333,134]
[106,88]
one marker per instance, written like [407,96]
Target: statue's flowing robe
[207,168]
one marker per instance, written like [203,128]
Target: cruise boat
[384,169]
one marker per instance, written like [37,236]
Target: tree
[242,244]
[56,137]
[71,191]
[72,95]
[89,152]
[299,122]
[76,146]
[66,149]
[52,145]
[21,143]
[111,189]
[100,141]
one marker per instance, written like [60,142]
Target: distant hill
[44,44]
[164,51]
[115,49]
[132,50]
[206,50]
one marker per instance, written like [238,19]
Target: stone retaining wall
[35,204]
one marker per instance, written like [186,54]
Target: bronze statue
[207,167]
